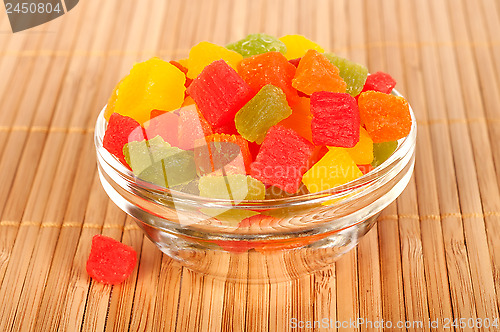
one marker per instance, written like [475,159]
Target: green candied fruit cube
[140,155]
[157,162]
[236,187]
[176,168]
[382,151]
[257,43]
[264,110]
[353,73]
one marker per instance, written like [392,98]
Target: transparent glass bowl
[290,237]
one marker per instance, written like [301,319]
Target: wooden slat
[432,240]
[393,308]
[477,76]
[15,173]
[370,292]
[32,216]
[468,186]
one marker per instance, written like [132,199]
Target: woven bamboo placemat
[433,256]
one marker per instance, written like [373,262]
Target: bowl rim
[405,145]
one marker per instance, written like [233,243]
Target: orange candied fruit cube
[386,117]
[269,68]
[316,73]
[301,118]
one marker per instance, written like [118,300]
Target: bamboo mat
[433,256]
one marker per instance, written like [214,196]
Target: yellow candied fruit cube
[184,62]
[204,53]
[362,152]
[334,169]
[152,84]
[297,46]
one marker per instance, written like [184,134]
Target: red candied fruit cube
[192,126]
[379,81]
[335,119]
[295,62]
[254,149]
[110,261]
[283,158]
[121,130]
[318,153]
[219,92]
[164,124]
[269,68]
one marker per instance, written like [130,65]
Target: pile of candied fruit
[261,118]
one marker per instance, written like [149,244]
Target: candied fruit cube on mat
[335,119]
[235,187]
[334,169]
[297,46]
[352,73]
[192,126]
[110,106]
[316,73]
[204,53]
[121,130]
[222,151]
[257,43]
[153,84]
[362,152]
[300,120]
[382,151]
[385,117]
[219,92]
[379,81]
[110,261]
[165,125]
[264,110]
[269,68]
[283,158]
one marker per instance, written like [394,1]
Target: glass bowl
[284,239]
